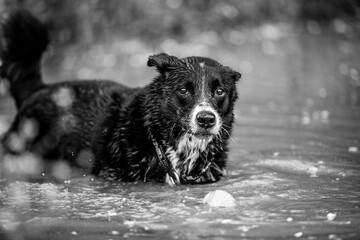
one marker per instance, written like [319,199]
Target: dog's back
[57,120]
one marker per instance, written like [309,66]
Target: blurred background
[299,59]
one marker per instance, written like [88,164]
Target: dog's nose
[205,119]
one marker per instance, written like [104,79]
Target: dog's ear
[235,75]
[164,63]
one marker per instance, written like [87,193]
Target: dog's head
[197,94]
[191,106]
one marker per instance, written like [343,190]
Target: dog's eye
[183,91]
[220,92]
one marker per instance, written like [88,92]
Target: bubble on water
[298,234]
[313,27]
[353,149]
[343,69]
[289,219]
[340,26]
[74,233]
[268,47]
[330,216]
[271,32]
[63,97]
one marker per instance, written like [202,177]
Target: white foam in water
[330,216]
[313,169]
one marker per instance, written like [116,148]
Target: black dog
[175,129]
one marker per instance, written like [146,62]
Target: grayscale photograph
[179,119]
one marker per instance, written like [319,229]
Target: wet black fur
[111,120]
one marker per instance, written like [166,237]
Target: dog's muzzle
[204,121]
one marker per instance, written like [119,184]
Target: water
[293,166]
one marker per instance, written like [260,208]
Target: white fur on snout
[203,106]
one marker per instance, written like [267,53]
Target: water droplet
[289,219]
[298,234]
[73,233]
